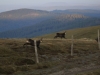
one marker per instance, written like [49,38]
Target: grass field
[14,59]
[54,55]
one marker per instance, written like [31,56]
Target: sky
[6,5]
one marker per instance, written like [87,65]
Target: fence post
[98,39]
[36,54]
[72,47]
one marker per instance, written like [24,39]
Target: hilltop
[19,18]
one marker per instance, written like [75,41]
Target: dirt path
[75,71]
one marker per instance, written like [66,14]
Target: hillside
[28,23]
[78,33]
[54,55]
[49,26]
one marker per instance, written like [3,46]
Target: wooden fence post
[36,54]
[98,39]
[72,47]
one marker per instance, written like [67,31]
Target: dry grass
[95,72]
[14,59]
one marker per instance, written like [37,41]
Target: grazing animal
[31,42]
[97,39]
[61,35]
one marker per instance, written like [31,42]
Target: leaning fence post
[36,54]
[72,47]
[98,39]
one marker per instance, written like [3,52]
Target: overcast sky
[6,5]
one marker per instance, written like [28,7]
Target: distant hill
[26,23]
[86,12]
[15,19]
[23,14]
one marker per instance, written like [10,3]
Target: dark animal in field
[97,39]
[31,43]
[61,35]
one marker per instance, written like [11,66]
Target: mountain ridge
[86,12]
[22,17]
[45,23]
[22,13]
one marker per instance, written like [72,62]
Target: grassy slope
[89,32]
[14,59]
